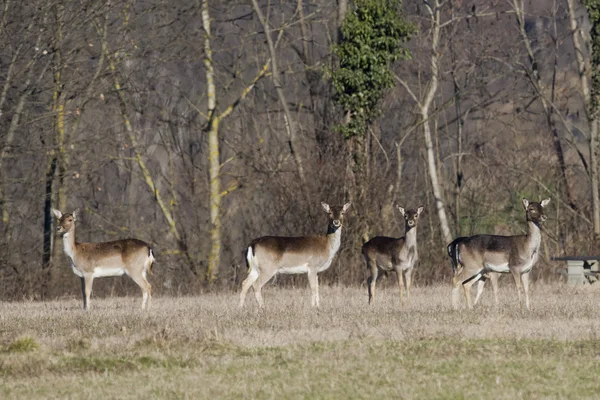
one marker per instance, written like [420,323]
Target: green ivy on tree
[593,7]
[372,38]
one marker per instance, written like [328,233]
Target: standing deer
[390,254]
[479,255]
[270,255]
[94,260]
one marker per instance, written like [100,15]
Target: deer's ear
[75,213]
[525,203]
[346,206]
[420,210]
[545,202]
[57,213]
[326,207]
[401,209]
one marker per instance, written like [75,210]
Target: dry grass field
[205,347]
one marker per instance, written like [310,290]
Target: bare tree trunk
[459,171]
[424,111]
[594,176]
[289,121]
[342,11]
[48,231]
[435,185]
[214,168]
[583,62]
[460,121]
[216,194]
[58,190]
[423,106]
[56,185]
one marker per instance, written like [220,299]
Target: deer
[394,254]
[132,257]
[481,256]
[271,255]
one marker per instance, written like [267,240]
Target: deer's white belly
[300,269]
[108,271]
[501,268]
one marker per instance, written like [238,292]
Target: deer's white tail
[251,260]
[151,260]
[253,273]
[454,253]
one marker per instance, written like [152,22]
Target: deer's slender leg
[83,292]
[400,284]
[494,278]
[87,290]
[408,279]
[313,281]
[250,279]
[480,286]
[467,288]
[525,280]
[145,271]
[259,283]
[456,284]
[318,299]
[517,277]
[143,283]
[372,279]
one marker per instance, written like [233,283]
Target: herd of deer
[474,259]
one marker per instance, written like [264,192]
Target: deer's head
[411,217]
[336,215]
[535,211]
[66,222]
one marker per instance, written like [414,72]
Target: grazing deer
[94,260]
[492,276]
[270,255]
[480,255]
[390,254]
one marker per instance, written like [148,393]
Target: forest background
[198,126]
